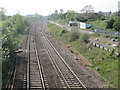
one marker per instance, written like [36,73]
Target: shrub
[74,35]
[110,24]
[63,31]
[84,38]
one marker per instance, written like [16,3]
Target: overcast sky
[46,7]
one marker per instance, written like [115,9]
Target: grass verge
[106,61]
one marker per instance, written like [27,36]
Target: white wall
[83,25]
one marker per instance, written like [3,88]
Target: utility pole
[119,9]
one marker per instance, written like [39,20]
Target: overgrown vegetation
[73,35]
[109,22]
[106,61]
[13,29]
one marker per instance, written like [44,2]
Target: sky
[47,7]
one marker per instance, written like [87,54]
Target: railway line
[35,74]
[45,68]
[68,77]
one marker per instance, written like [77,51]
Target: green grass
[99,23]
[107,63]
[0,23]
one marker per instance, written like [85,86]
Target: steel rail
[64,61]
[40,67]
[28,64]
[55,64]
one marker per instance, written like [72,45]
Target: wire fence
[105,32]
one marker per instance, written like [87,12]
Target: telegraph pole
[119,9]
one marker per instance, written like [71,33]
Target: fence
[105,32]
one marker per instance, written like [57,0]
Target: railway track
[37,49]
[35,75]
[66,74]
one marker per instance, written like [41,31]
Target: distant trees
[88,15]
[61,11]
[74,16]
[56,12]
[114,24]
[110,24]
[117,24]
[70,15]
[88,9]
[2,13]
[19,23]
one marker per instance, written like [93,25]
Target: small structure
[80,24]
[19,51]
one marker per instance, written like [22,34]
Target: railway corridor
[45,68]
[40,49]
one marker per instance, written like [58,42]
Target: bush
[110,24]
[117,24]
[74,35]
[84,38]
[63,31]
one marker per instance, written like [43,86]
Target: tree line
[88,15]
[12,29]
[114,23]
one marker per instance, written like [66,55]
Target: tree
[2,13]
[81,19]
[110,24]
[74,35]
[88,9]
[56,12]
[19,24]
[70,15]
[61,11]
[117,24]
[84,37]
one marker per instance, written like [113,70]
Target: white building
[80,24]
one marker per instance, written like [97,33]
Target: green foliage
[117,24]
[73,35]
[5,68]
[19,24]
[106,61]
[13,28]
[84,37]
[70,15]
[63,31]
[2,14]
[102,18]
[99,23]
[110,24]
